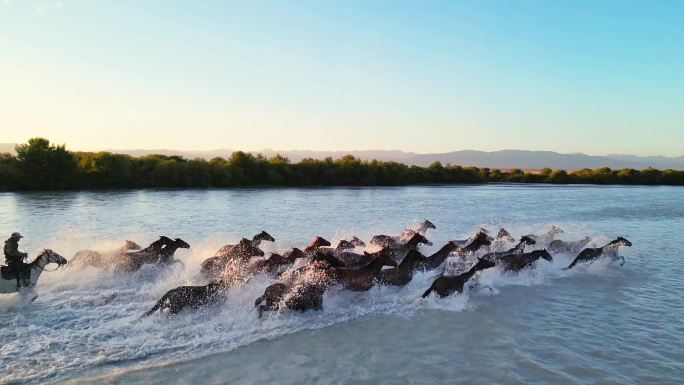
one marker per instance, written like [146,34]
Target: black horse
[435,260]
[518,249]
[181,297]
[517,262]
[444,286]
[592,254]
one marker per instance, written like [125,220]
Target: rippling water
[599,324]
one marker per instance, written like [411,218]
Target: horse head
[527,240]
[264,236]
[357,242]
[428,225]
[555,230]
[344,245]
[543,254]
[181,244]
[53,257]
[620,241]
[504,235]
[130,245]
[320,242]
[483,263]
[245,249]
[417,238]
[295,254]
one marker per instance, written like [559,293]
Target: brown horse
[307,296]
[363,278]
[133,261]
[316,244]
[444,286]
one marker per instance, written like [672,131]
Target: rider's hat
[16,235]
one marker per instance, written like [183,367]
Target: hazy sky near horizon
[577,76]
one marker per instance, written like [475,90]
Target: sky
[596,77]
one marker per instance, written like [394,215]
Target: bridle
[37,266]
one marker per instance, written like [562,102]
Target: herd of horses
[302,275]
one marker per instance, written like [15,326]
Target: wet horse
[517,262]
[444,285]
[402,274]
[559,246]
[240,254]
[422,230]
[227,250]
[154,254]
[592,254]
[101,260]
[436,259]
[303,297]
[518,249]
[183,297]
[363,278]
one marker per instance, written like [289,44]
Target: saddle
[7,272]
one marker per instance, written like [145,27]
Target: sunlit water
[599,324]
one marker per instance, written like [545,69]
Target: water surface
[598,324]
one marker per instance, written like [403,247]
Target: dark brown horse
[480,240]
[402,274]
[444,286]
[227,250]
[517,262]
[303,297]
[592,254]
[436,259]
[183,297]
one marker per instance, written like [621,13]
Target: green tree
[45,166]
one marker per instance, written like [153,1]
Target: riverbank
[40,165]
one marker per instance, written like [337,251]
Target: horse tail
[151,311]
[572,264]
[156,307]
[428,291]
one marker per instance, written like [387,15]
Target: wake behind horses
[299,277]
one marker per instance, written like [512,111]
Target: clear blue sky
[576,76]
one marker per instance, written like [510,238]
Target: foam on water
[88,319]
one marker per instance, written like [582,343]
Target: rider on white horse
[15,260]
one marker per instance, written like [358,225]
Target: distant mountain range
[504,159]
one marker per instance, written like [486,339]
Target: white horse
[8,283]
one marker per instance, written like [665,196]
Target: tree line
[41,165]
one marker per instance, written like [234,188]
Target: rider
[15,260]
